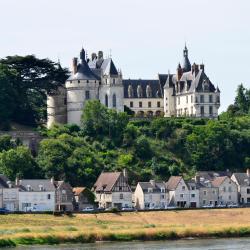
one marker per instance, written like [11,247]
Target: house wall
[228,192]
[194,197]
[39,200]
[126,201]
[139,197]
[1,197]
[11,199]
[208,196]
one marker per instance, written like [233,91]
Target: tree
[19,162]
[241,100]
[34,78]
[6,143]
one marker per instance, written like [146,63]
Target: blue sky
[145,37]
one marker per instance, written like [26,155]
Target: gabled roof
[78,190]
[156,188]
[106,181]
[36,184]
[108,67]
[242,178]
[218,181]
[210,175]
[173,182]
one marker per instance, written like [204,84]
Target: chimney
[248,172]
[17,181]
[74,65]
[197,179]
[179,72]
[100,55]
[152,182]
[52,180]
[125,173]
[93,56]
[202,67]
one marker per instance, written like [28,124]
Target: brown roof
[173,182]
[78,190]
[106,181]
[218,181]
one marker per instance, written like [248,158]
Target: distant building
[83,198]
[151,195]
[188,92]
[112,190]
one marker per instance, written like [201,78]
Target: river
[207,244]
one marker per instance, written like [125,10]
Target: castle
[188,92]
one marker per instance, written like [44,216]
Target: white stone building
[112,190]
[227,190]
[36,195]
[243,183]
[151,195]
[189,92]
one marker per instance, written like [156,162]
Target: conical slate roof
[186,65]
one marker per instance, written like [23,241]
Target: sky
[144,37]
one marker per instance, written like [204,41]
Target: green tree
[19,162]
[34,78]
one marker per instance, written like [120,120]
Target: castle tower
[57,107]
[186,65]
[82,85]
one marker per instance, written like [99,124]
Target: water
[208,244]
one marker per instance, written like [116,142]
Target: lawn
[48,229]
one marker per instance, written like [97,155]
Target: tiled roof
[106,181]
[218,181]
[78,190]
[173,182]
[156,188]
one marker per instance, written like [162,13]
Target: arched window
[114,101]
[106,100]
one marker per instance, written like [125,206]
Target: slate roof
[106,181]
[156,188]
[173,182]
[195,184]
[218,181]
[35,185]
[3,181]
[210,175]
[154,85]
[242,178]
[105,66]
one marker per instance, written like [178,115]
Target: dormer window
[148,91]
[150,190]
[113,80]
[139,91]
[162,190]
[28,187]
[130,91]
[41,188]
[205,85]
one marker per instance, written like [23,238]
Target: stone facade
[189,92]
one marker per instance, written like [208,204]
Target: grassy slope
[47,229]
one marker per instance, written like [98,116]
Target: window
[191,99]
[114,101]
[150,190]
[186,99]
[79,81]
[202,111]
[87,97]
[181,195]
[204,202]
[162,196]
[210,98]
[248,191]
[106,100]
[183,188]
[248,200]
[158,104]
[140,104]
[193,188]
[205,192]
[106,80]
[214,192]
[131,104]
[48,196]
[229,189]
[179,100]
[218,99]
[63,191]
[121,196]
[192,110]
[114,81]
[193,195]
[210,110]
[149,104]
[229,197]
[211,202]
[224,189]
[65,101]
[87,81]
[201,98]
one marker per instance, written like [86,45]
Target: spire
[82,54]
[186,66]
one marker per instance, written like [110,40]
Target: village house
[243,183]
[84,198]
[64,196]
[227,190]
[8,194]
[151,195]
[194,193]
[113,191]
[36,195]
[178,192]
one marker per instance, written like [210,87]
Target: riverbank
[28,229]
